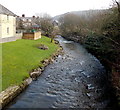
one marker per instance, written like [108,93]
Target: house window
[8,17]
[7,30]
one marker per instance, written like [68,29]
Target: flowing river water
[75,80]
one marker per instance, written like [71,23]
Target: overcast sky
[52,7]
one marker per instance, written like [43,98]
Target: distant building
[7,25]
[55,22]
[26,23]
[29,27]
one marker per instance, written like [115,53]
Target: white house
[7,25]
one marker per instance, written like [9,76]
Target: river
[75,80]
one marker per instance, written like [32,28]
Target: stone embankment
[12,92]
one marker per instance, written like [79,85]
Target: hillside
[86,14]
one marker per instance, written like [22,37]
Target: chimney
[33,16]
[23,15]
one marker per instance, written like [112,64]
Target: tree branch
[118,5]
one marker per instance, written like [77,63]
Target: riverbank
[99,33]
[21,57]
[74,80]
[38,60]
[112,77]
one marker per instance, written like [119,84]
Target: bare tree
[70,25]
[45,22]
[118,4]
[55,32]
[19,24]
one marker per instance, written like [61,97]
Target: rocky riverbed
[75,80]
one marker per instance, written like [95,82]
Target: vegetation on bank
[21,56]
[100,34]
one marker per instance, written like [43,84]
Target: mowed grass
[20,57]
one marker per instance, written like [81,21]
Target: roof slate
[4,10]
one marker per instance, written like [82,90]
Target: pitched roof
[5,11]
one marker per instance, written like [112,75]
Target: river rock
[29,80]
[42,69]
[56,42]
[88,94]
[34,75]
[45,62]
[51,60]
[89,86]
[39,70]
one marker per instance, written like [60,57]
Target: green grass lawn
[20,57]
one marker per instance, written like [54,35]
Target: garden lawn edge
[12,92]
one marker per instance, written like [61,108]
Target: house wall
[0,31]
[7,26]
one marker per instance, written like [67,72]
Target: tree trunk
[118,5]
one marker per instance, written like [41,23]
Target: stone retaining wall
[12,92]
[9,39]
[19,35]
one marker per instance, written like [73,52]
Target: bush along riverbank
[97,48]
[100,35]
[49,52]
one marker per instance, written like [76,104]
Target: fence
[32,35]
